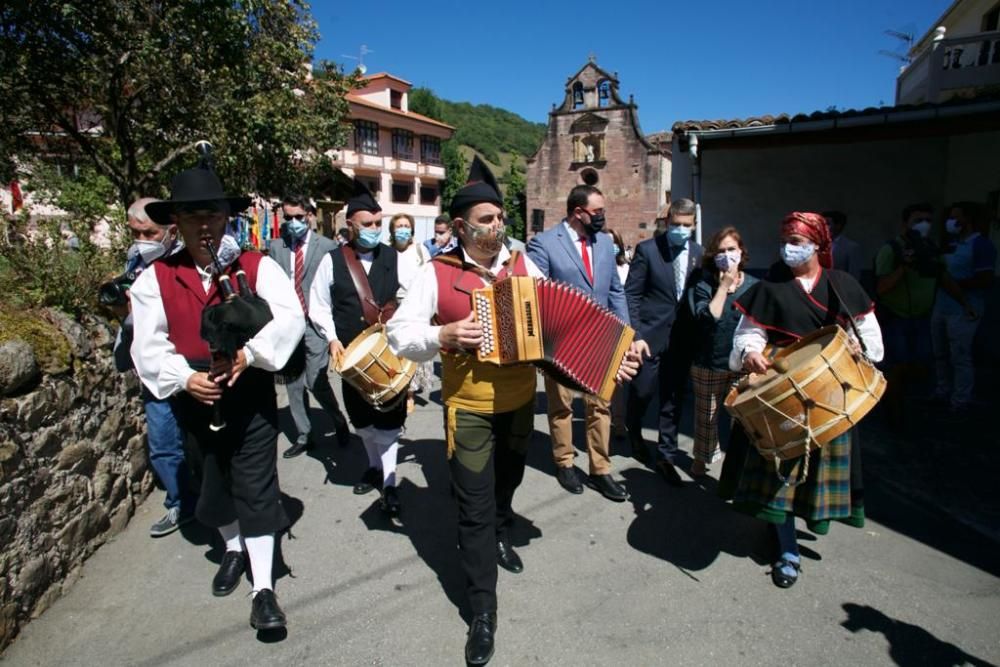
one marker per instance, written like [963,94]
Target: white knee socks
[381,446]
[231,536]
[261,552]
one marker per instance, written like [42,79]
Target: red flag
[16,199]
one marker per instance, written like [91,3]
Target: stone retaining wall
[73,463]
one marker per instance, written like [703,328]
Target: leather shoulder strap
[360,279]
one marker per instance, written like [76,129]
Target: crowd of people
[701,321]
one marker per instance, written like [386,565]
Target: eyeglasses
[300,216]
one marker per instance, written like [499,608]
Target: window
[577,95]
[401,192]
[373,183]
[402,144]
[366,137]
[430,150]
[537,220]
[604,93]
[428,195]
[395,99]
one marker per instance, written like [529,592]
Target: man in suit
[654,290]
[846,252]
[575,253]
[299,252]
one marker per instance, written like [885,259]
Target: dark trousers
[238,464]
[662,380]
[487,466]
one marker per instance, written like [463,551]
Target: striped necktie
[300,268]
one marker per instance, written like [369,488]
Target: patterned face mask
[487,239]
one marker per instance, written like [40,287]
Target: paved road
[673,576]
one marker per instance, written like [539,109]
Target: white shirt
[409,263]
[320,305]
[410,331]
[622,272]
[749,337]
[165,372]
[575,238]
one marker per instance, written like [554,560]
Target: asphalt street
[673,576]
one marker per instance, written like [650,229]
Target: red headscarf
[812,226]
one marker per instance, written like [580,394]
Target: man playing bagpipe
[239,491]
[489,410]
[355,287]
[801,294]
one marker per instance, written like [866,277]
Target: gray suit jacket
[319,246]
[555,254]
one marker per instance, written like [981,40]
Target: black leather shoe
[507,558]
[569,480]
[639,451]
[479,645]
[669,473]
[371,480]
[230,571]
[390,501]
[609,488]
[297,449]
[265,614]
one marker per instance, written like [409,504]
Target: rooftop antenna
[360,58]
[906,38]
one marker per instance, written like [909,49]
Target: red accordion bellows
[555,326]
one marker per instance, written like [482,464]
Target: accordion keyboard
[485,316]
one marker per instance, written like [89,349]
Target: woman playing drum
[801,295]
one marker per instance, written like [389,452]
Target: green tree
[131,85]
[456,172]
[515,202]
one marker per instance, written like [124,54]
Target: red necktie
[586,259]
[300,267]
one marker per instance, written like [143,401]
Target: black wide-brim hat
[190,188]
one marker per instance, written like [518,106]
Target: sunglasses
[300,216]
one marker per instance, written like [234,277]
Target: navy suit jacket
[650,290]
[556,255]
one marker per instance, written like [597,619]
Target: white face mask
[149,251]
[952,226]
[728,259]
[923,228]
[797,255]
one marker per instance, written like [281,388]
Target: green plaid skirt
[832,490]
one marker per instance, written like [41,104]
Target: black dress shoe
[669,473]
[297,449]
[569,480]
[507,558]
[265,614]
[230,571]
[639,451]
[371,480]
[609,488]
[479,645]
[390,501]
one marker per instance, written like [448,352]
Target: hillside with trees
[501,138]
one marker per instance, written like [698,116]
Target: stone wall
[73,463]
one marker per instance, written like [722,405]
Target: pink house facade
[397,153]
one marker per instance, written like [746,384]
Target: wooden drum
[369,366]
[815,391]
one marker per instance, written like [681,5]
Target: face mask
[487,239]
[369,238]
[297,228]
[596,223]
[952,225]
[726,260]
[797,255]
[618,250]
[923,228]
[678,235]
[148,251]
[403,235]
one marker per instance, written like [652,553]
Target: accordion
[554,326]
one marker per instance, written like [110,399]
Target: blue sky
[690,60]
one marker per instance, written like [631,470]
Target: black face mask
[596,223]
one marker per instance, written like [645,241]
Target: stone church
[594,137]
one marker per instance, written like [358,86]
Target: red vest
[455,287]
[184,298]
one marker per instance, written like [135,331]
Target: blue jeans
[166,453]
[952,334]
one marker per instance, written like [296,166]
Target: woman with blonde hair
[411,257]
